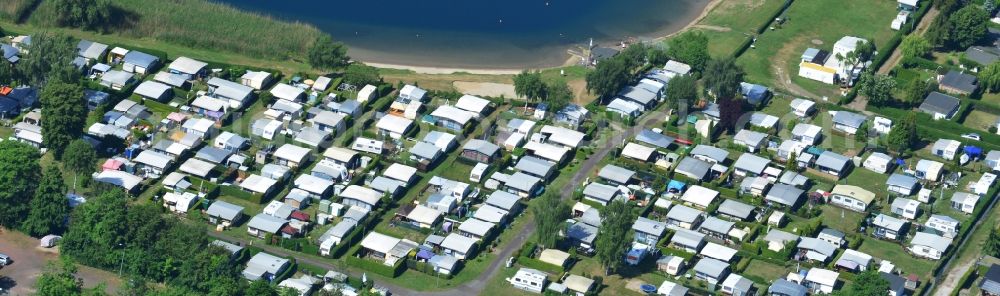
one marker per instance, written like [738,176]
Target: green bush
[376,267]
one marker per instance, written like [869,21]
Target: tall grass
[203,24]
[15,10]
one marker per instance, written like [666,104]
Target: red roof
[289,230]
[299,215]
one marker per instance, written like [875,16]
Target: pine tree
[49,208]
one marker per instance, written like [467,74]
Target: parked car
[972,136]
[5,260]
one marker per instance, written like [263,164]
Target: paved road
[476,286]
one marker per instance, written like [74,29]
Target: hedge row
[376,267]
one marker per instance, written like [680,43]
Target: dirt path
[784,80]
[950,282]
[29,260]
[921,28]
[713,28]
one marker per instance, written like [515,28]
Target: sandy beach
[571,60]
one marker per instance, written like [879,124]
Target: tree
[862,134]
[691,48]
[862,52]
[917,90]
[7,73]
[50,59]
[792,163]
[558,94]
[877,87]
[528,84]
[360,74]
[325,54]
[915,46]
[98,232]
[990,77]
[939,30]
[608,78]
[682,90]
[723,77]
[903,134]
[550,212]
[968,26]
[84,14]
[59,279]
[730,111]
[634,56]
[866,283]
[991,246]
[64,113]
[261,288]
[49,208]
[80,158]
[657,56]
[614,235]
[19,175]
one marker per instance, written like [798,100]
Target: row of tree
[530,85]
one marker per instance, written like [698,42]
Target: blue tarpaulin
[973,151]
[676,185]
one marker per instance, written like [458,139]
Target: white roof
[120,178]
[187,65]
[394,124]
[313,184]
[363,194]
[400,172]
[454,114]
[934,241]
[424,214]
[379,242]
[209,103]
[457,242]
[717,251]
[199,124]
[321,83]
[548,152]
[151,89]
[563,136]
[822,276]
[677,67]
[197,167]
[472,103]
[153,158]
[908,2]
[286,92]
[291,152]
[258,184]
[339,153]
[182,201]
[637,151]
[476,226]
[700,196]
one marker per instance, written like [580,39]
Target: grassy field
[894,253]
[775,58]
[187,22]
[730,23]
[980,120]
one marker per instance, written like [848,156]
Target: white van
[5,260]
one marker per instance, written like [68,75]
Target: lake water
[479,33]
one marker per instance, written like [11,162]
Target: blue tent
[973,151]
[675,185]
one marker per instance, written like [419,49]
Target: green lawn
[825,21]
[732,22]
[767,270]
[870,181]
[980,120]
[897,255]
[841,219]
